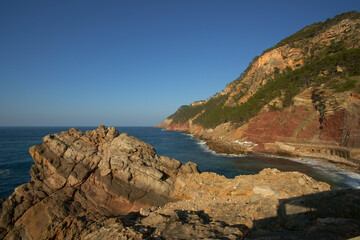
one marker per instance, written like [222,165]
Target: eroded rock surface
[99,172]
[106,185]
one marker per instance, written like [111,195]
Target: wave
[347,178]
[205,148]
[187,134]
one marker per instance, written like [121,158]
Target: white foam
[343,176]
[348,178]
[245,143]
[187,134]
[207,149]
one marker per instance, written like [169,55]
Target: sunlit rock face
[97,172]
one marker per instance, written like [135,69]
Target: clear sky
[133,63]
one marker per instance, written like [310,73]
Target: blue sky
[133,63]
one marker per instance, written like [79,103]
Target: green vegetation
[341,85]
[186,112]
[285,85]
[274,107]
[334,66]
[305,33]
[314,29]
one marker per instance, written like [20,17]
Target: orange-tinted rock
[99,172]
[351,127]
[289,125]
[332,126]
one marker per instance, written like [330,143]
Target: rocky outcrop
[262,70]
[165,123]
[99,172]
[106,185]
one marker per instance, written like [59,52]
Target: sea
[15,160]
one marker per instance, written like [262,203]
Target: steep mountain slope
[302,93]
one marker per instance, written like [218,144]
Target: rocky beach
[102,184]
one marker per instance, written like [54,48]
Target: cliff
[102,184]
[300,97]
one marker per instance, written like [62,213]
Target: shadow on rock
[324,215]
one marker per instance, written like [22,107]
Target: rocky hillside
[105,185]
[305,91]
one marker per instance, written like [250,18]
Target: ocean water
[15,160]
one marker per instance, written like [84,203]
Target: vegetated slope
[304,89]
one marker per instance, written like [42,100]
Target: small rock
[145,212]
[265,191]
[301,181]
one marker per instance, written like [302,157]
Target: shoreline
[141,195]
[227,147]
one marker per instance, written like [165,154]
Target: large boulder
[99,172]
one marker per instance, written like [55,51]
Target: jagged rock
[99,172]
[105,185]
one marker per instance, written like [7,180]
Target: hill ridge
[323,57]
